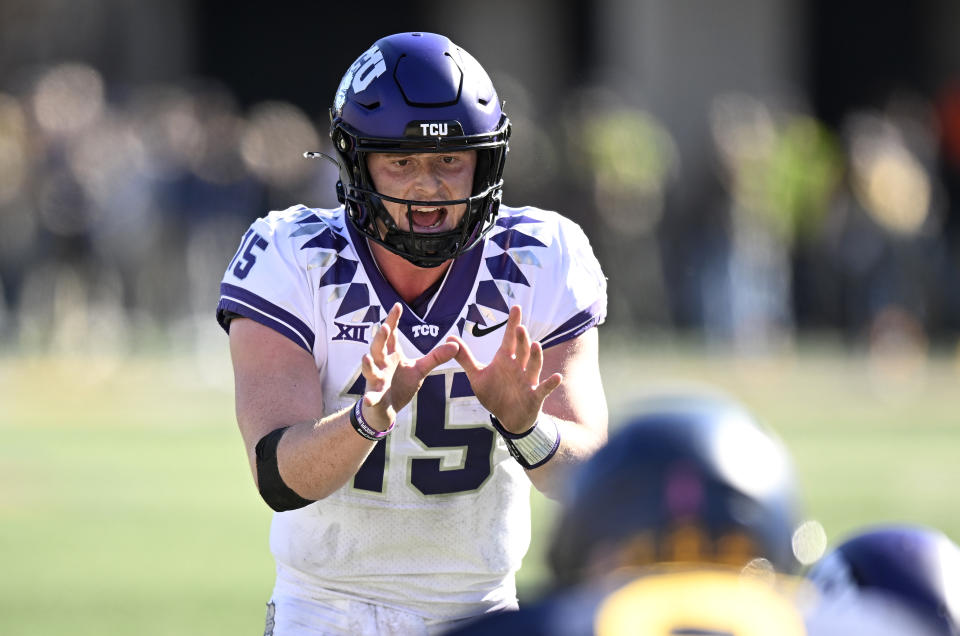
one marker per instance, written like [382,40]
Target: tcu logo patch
[434,130]
[426,330]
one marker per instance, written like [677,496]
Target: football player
[682,524]
[688,522]
[908,573]
[408,363]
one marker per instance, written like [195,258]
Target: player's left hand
[510,386]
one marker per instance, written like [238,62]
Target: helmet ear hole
[343,142]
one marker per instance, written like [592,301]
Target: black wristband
[535,446]
[273,489]
[361,426]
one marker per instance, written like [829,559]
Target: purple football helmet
[418,92]
[918,567]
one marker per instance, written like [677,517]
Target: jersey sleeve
[265,282]
[576,298]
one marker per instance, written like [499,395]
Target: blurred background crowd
[747,170]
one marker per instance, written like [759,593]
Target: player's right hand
[392,379]
[509,386]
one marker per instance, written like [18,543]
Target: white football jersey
[437,519]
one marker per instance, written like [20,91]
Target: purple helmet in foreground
[418,92]
[916,566]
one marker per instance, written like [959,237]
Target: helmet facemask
[424,249]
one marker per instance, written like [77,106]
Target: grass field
[126,507]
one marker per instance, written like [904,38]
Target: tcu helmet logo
[434,130]
[367,68]
[426,330]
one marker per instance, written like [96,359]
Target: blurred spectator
[781,169]
[125,209]
[626,161]
[948,113]
[125,179]
[885,244]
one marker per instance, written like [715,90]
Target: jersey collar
[425,333]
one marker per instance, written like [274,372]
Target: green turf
[126,505]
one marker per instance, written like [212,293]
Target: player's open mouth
[428,219]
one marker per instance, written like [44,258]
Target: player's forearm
[314,459]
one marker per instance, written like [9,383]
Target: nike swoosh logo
[479,331]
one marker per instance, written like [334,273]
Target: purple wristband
[365,430]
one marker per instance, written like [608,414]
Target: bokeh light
[888,180]
[809,542]
[274,140]
[68,98]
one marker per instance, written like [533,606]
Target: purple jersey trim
[576,325]
[451,297]
[507,434]
[249,305]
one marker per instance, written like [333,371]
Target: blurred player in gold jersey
[686,523]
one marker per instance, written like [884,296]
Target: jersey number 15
[426,474]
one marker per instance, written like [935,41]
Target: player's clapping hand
[510,386]
[392,379]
